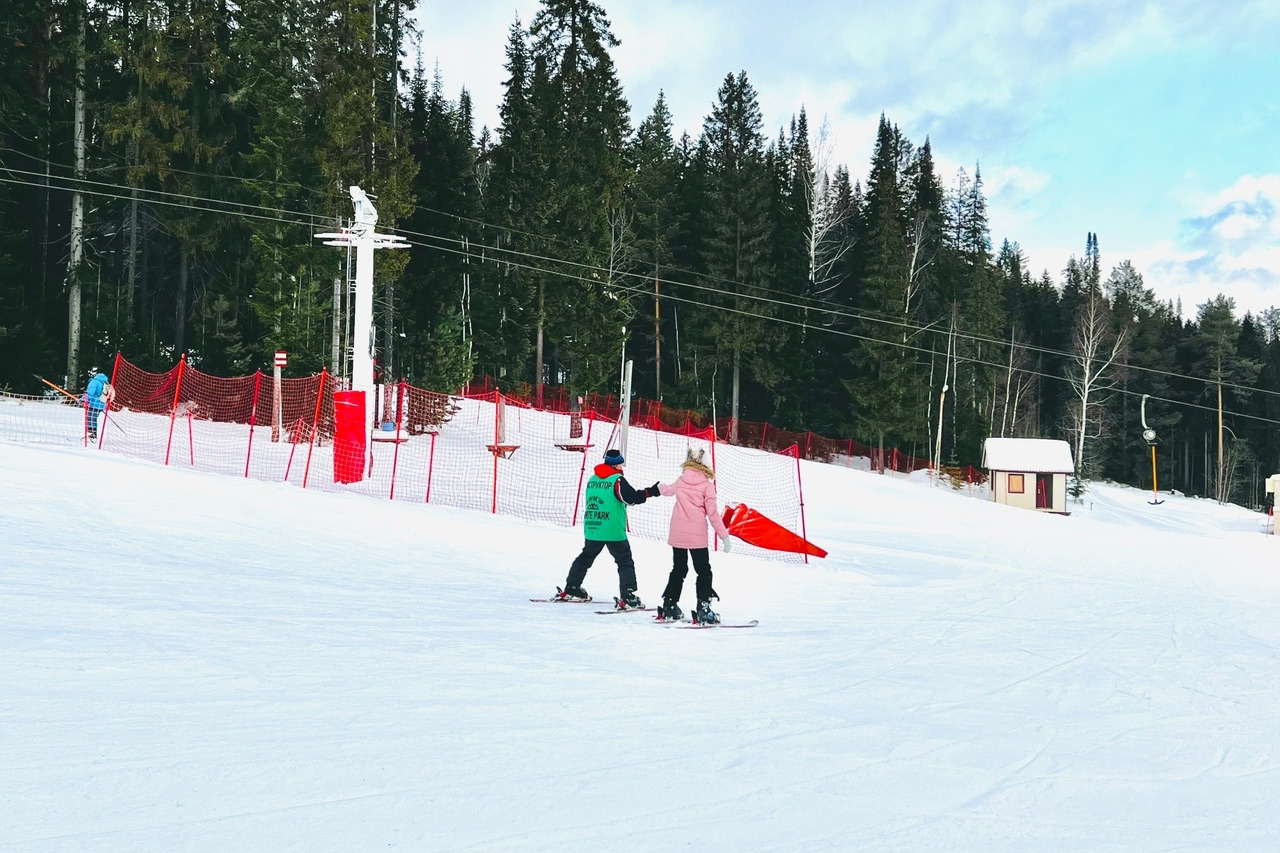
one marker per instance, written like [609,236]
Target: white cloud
[1236,226]
[1229,243]
[1013,185]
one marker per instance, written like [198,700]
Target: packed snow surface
[192,661]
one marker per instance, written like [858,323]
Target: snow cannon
[758,529]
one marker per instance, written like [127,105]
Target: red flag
[763,532]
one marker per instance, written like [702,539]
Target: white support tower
[365,239]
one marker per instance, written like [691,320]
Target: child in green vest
[605,523]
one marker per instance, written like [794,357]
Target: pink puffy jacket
[695,506]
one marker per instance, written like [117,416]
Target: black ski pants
[680,570]
[621,553]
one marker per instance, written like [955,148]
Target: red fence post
[106,410]
[253,419]
[431,462]
[315,424]
[715,540]
[497,428]
[173,412]
[804,533]
[395,458]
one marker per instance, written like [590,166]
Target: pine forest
[165,164]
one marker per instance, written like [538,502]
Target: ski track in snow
[201,662]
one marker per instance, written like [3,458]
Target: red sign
[282,358]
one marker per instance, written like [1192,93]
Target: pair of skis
[674,623]
[618,607]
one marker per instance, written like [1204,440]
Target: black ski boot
[629,601]
[670,611]
[704,615]
[572,593]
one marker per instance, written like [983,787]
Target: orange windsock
[763,532]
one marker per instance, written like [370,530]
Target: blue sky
[1154,124]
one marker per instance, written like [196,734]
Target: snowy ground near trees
[200,662]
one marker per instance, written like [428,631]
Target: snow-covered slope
[199,662]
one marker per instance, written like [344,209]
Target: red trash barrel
[348,436]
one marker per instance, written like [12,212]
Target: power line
[849,313]
[822,306]
[641,291]
[901,345]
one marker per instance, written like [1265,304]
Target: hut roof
[1039,455]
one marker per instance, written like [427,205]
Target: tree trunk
[40,235]
[77,209]
[657,341]
[737,380]
[1222,467]
[542,318]
[180,303]
[131,273]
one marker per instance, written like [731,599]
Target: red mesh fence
[51,419]
[233,425]
[487,452]
[483,450]
[654,415]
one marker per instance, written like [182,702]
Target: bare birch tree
[921,252]
[1097,347]
[1017,398]
[823,243]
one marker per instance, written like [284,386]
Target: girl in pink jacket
[695,507]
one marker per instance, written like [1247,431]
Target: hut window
[1017,485]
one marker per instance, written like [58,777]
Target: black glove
[653,491]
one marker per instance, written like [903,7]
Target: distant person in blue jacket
[95,397]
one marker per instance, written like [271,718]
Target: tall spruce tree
[652,198]
[795,271]
[290,276]
[736,250]
[982,318]
[506,309]
[585,121]
[32,319]
[888,391]
[1125,454]
[1217,336]
[359,141]
[436,290]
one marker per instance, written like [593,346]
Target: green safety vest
[605,519]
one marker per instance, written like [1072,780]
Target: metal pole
[277,409]
[1150,436]
[1155,490]
[624,417]
[334,366]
